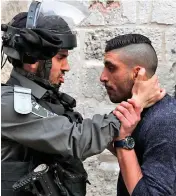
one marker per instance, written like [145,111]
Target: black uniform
[46,131]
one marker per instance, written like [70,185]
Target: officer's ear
[33,68]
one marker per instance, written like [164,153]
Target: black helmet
[40,33]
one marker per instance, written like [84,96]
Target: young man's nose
[103,77]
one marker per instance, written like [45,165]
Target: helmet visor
[53,12]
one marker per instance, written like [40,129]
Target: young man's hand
[147,92]
[129,115]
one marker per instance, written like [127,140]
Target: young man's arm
[129,167]
[127,159]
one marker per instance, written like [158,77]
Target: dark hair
[135,49]
[125,40]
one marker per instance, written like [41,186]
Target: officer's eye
[60,56]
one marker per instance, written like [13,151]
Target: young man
[147,155]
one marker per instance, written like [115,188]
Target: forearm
[129,167]
[56,135]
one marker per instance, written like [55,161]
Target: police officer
[39,124]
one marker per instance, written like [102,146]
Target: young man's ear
[135,71]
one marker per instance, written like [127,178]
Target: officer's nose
[66,66]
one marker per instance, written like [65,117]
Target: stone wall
[155,19]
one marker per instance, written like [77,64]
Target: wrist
[121,137]
[122,151]
[142,104]
[126,143]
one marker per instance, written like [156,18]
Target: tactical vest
[72,173]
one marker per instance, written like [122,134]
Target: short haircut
[135,49]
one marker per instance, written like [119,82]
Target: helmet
[49,27]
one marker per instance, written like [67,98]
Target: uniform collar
[37,90]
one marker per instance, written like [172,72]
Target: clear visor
[72,12]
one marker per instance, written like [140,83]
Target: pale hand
[147,92]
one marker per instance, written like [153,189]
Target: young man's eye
[111,68]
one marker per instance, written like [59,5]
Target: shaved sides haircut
[134,49]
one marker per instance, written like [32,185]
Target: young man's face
[117,78]
[59,67]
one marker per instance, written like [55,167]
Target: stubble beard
[118,97]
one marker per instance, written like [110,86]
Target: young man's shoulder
[159,121]
[165,109]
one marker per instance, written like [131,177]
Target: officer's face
[59,67]
[117,78]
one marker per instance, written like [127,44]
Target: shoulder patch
[38,110]
[22,100]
